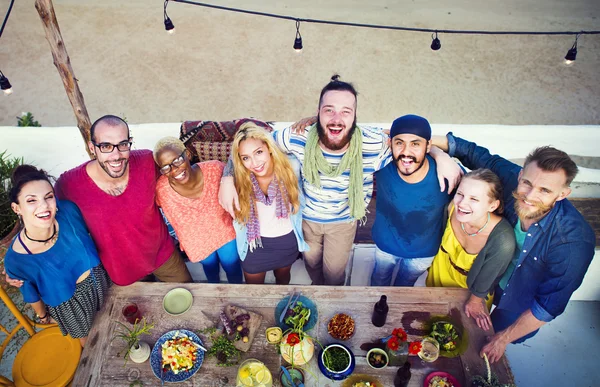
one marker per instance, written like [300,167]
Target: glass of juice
[253,373]
[430,349]
[132,313]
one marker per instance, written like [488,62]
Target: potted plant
[138,351]
[8,218]
[336,361]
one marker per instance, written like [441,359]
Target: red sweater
[128,229]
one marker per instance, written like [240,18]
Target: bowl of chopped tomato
[176,356]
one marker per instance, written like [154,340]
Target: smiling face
[472,201]
[36,204]
[178,175]
[116,162]
[255,156]
[409,152]
[538,191]
[336,119]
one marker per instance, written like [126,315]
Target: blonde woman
[187,194]
[269,222]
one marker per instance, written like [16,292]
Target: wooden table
[409,308]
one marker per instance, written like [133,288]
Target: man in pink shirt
[115,193]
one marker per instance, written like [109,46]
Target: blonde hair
[168,142]
[281,167]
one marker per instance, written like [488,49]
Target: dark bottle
[380,312]
[402,376]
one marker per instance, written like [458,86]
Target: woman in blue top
[54,256]
[268,224]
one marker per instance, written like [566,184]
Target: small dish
[336,374]
[295,373]
[442,374]
[177,301]
[377,358]
[361,378]
[341,326]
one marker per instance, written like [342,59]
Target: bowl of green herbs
[336,361]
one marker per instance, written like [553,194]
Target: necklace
[462,226]
[41,240]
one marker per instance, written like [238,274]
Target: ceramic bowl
[295,372]
[377,351]
[336,375]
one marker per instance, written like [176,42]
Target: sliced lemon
[263,376]
[244,373]
[248,381]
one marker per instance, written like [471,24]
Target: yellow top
[452,263]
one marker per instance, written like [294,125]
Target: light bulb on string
[5,84]
[572,53]
[169,26]
[435,44]
[298,40]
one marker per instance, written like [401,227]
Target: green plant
[27,119]
[222,348]
[131,336]
[8,218]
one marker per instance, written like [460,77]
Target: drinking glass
[132,313]
[253,373]
[430,349]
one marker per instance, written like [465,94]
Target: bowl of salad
[176,356]
[303,312]
[453,340]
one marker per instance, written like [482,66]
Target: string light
[169,26]
[435,44]
[298,40]
[5,84]
[572,53]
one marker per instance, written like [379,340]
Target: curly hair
[281,167]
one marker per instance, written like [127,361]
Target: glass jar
[398,357]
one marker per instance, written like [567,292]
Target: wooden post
[63,65]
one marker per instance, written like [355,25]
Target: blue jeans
[408,273]
[227,256]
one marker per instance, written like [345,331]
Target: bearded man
[555,243]
[411,210]
[338,160]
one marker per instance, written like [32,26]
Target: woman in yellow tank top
[477,245]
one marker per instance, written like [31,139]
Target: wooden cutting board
[232,311]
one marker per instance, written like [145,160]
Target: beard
[334,146]
[539,211]
[112,174]
[418,163]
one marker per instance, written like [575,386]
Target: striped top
[329,203]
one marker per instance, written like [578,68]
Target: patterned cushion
[211,140]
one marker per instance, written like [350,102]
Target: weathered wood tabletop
[100,364]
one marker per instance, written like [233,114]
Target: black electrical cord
[6,17]
[385,27]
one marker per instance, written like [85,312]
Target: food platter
[177,301]
[341,326]
[156,357]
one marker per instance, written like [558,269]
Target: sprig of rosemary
[222,348]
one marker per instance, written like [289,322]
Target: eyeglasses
[107,147]
[175,163]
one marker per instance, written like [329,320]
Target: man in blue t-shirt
[411,210]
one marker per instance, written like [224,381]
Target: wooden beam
[63,65]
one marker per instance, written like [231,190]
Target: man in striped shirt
[338,161]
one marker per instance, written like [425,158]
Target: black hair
[110,120]
[22,175]
[336,84]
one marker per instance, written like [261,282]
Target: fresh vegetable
[226,322]
[179,354]
[222,348]
[297,316]
[445,334]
